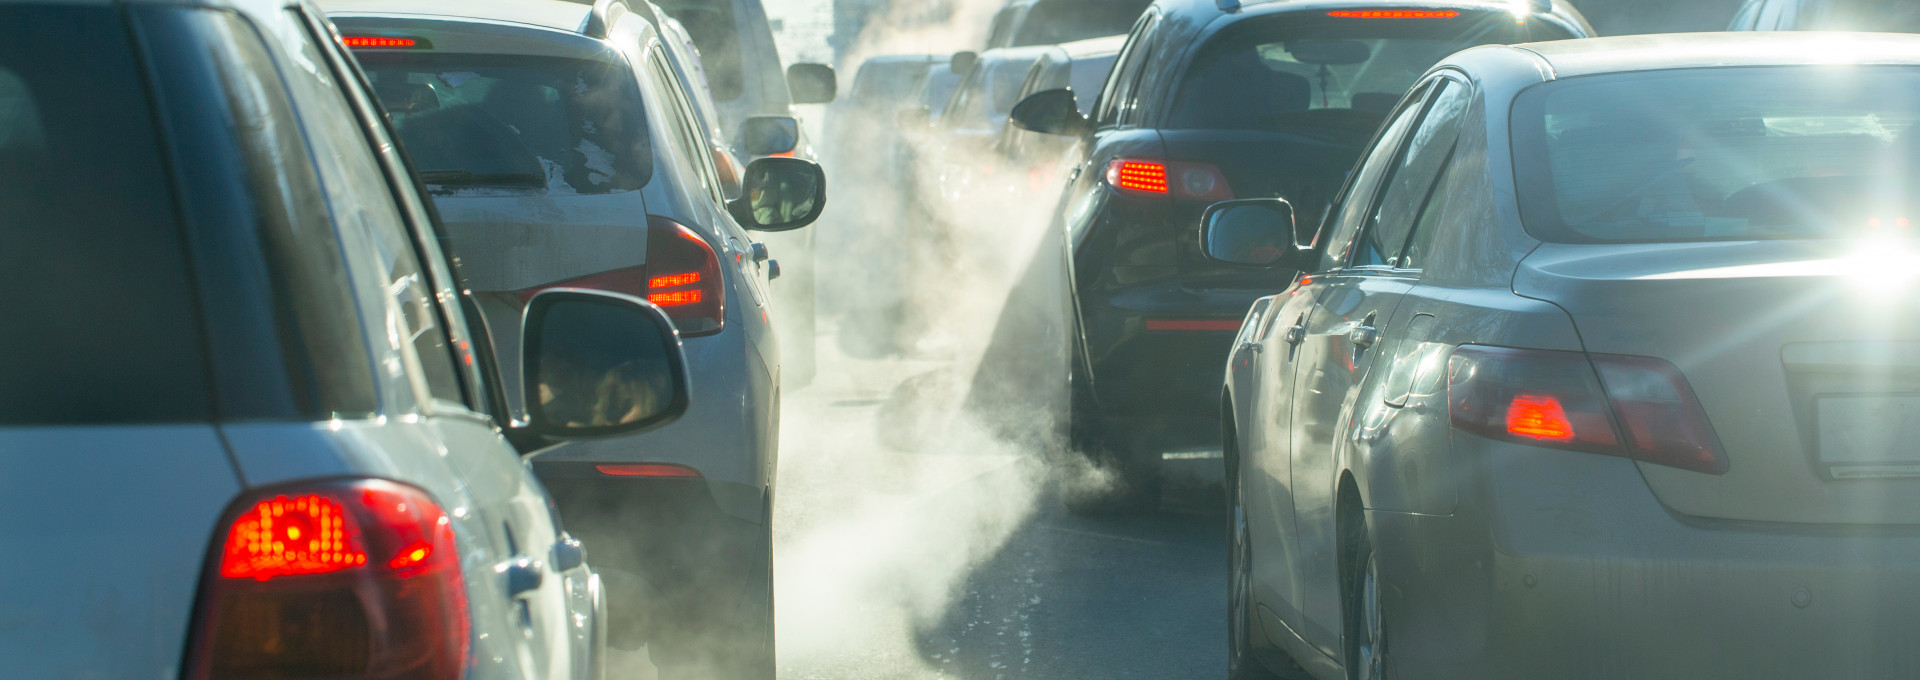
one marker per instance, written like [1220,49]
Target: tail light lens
[682,276]
[356,579]
[1152,178]
[1570,400]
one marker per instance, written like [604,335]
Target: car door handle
[568,553]
[1296,334]
[1364,337]
[1251,346]
[523,575]
[759,252]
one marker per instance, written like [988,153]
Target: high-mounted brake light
[1394,14]
[346,579]
[378,42]
[682,276]
[1581,402]
[1177,179]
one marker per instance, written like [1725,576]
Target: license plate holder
[1869,436]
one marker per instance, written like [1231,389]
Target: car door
[539,571]
[1356,296]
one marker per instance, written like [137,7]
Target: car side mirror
[811,83]
[780,194]
[769,135]
[1257,232]
[600,364]
[1053,112]
[962,62]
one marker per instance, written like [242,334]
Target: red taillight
[682,275]
[353,579]
[369,41]
[1556,399]
[645,470]
[1394,14]
[1186,181]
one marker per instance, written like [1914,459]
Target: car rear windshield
[1890,16]
[1719,154]
[491,122]
[1318,75]
[710,23]
[101,324]
[1052,22]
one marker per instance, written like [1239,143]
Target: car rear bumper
[1156,354]
[1565,565]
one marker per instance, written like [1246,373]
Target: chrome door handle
[1364,336]
[523,575]
[759,252]
[1250,346]
[1296,334]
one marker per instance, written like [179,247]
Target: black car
[1211,101]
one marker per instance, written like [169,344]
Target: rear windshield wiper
[462,178]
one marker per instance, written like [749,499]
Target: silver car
[248,426]
[1602,366]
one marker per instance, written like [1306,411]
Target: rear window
[101,325]
[1719,154]
[1891,16]
[494,122]
[1052,22]
[710,23]
[1316,75]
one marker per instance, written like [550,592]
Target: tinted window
[515,122]
[1052,22]
[711,24]
[1427,227]
[1310,74]
[1729,154]
[1355,206]
[1412,177]
[1115,96]
[1892,16]
[686,131]
[1085,77]
[101,322]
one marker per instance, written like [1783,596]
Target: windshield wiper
[462,178]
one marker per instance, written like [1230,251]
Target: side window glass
[685,144]
[1429,223]
[1346,217]
[687,125]
[1410,179]
[1125,68]
[362,202]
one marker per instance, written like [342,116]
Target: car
[1079,67]
[959,150]
[1027,23]
[561,151]
[1591,373]
[1892,16]
[1209,101]
[245,405]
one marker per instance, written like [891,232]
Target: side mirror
[600,364]
[780,194]
[768,135]
[1255,232]
[811,83]
[914,117]
[962,62]
[1054,112]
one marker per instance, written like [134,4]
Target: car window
[478,123]
[94,256]
[1428,226]
[1052,22]
[1719,154]
[1356,203]
[1411,178]
[362,202]
[1126,69]
[686,127]
[1743,19]
[990,94]
[715,33]
[1085,77]
[1000,31]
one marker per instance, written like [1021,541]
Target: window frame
[1437,85]
[1128,64]
[1337,209]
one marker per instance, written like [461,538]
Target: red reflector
[688,278]
[679,297]
[1138,176]
[291,536]
[645,470]
[1223,325]
[362,41]
[1538,417]
[1394,14]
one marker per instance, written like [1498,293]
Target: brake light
[1186,181]
[1557,399]
[1394,14]
[349,579]
[369,41]
[686,277]
[646,470]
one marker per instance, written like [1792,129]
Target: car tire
[1364,639]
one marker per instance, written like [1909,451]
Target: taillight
[682,276]
[1557,399]
[685,277]
[352,579]
[1186,181]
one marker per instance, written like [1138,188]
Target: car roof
[1094,47]
[553,14]
[1591,56]
[1561,9]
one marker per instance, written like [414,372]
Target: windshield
[1718,154]
[1062,21]
[1890,16]
[537,123]
[710,23]
[1306,73]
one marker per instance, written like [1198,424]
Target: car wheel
[1128,467]
[1243,662]
[1366,633]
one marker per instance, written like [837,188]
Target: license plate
[1870,437]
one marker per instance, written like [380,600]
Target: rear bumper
[1156,353]
[1564,565]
